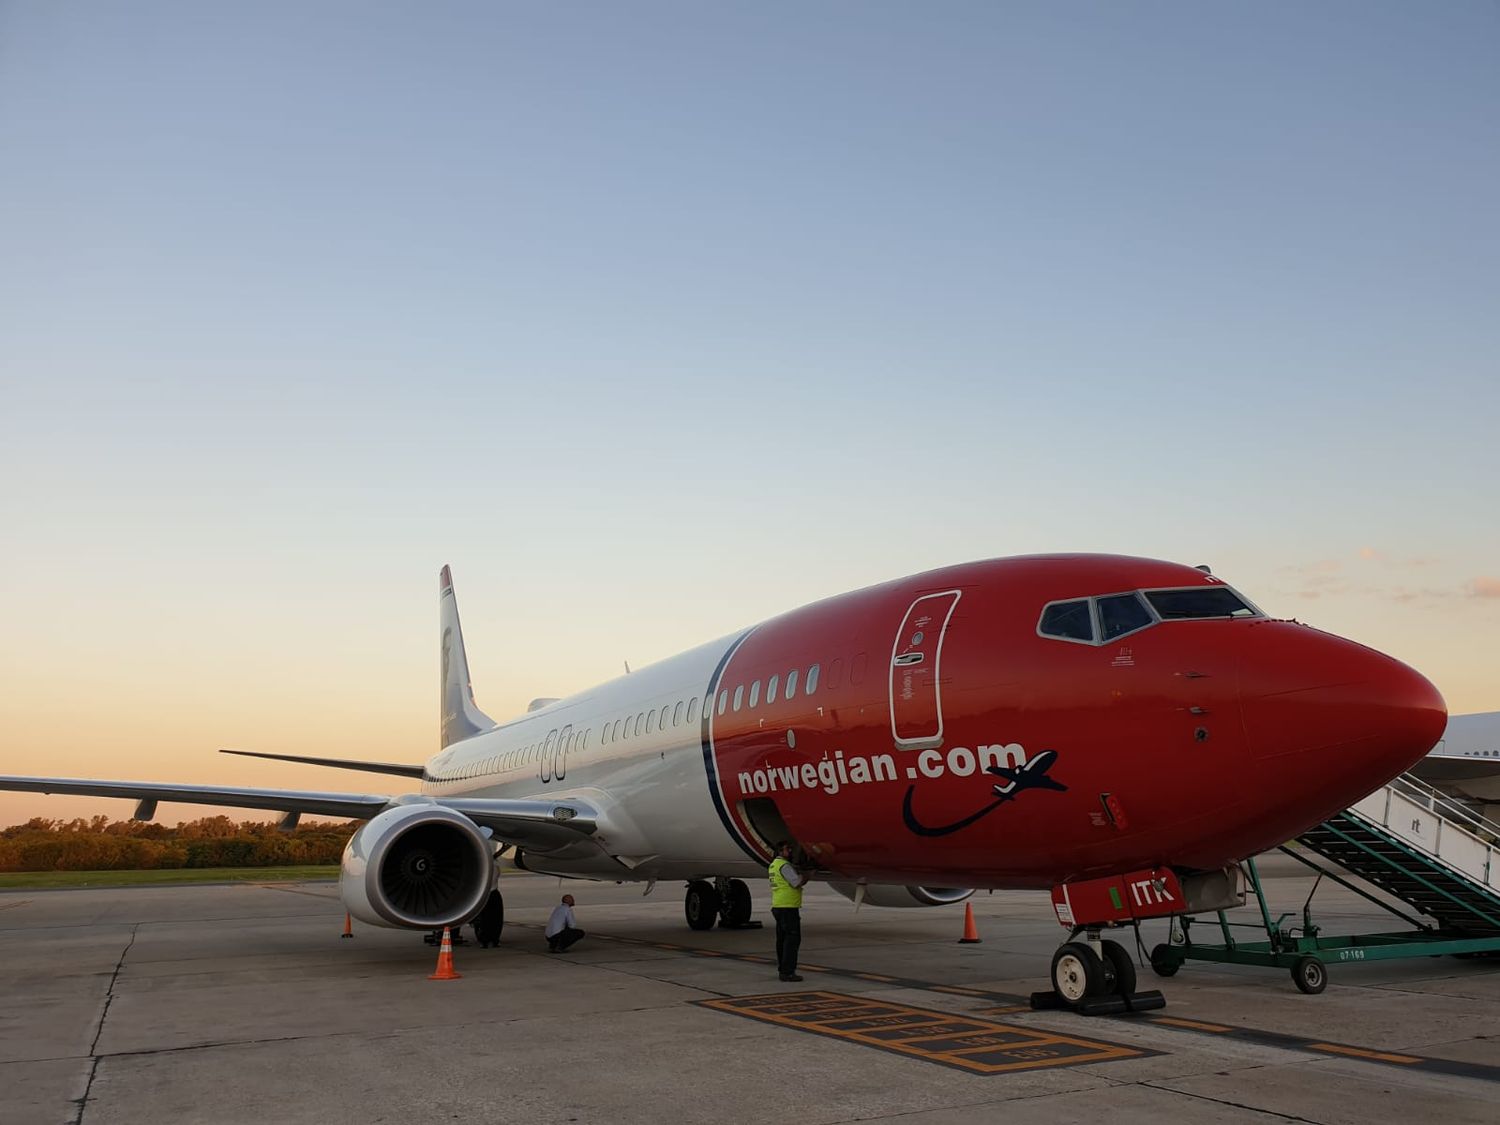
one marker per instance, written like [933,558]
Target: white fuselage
[634,743]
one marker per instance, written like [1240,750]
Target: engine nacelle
[889,894]
[418,866]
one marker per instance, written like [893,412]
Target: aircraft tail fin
[461,718]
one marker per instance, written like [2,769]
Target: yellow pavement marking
[1362,1053]
[1191,1025]
[956,1040]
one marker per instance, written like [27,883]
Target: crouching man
[562,928]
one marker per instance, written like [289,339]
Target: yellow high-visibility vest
[782,892]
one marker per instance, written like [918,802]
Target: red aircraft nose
[1330,715]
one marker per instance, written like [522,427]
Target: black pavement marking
[961,1042]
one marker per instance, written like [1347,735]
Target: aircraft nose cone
[1337,713]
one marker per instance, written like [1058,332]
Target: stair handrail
[1448,808]
[1448,813]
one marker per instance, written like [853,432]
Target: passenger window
[1068,619]
[812,680]
[723,700]
[1121,614]
[661,720]
[650,720]
[835,674]
[677,713]
[739,695]
[755,693]
[692,711]
[771,688]
[614,735]
[791,684]
[857,668]
[640,723]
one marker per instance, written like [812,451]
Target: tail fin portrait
[461,718]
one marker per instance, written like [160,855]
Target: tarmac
[242,1003]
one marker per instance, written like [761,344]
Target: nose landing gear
[1095,977]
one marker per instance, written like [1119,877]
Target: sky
[656,319]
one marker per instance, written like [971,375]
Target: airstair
[1435,864]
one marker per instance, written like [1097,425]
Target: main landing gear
[726,901]
[1095,977]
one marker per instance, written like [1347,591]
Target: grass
[25,880]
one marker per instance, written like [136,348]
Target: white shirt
[562,919]
[793,877]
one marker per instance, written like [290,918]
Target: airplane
[1187,730]
[1466,762]
[1031,775]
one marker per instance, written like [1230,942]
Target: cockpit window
[1068,619]
[1121,614]
[1206,601]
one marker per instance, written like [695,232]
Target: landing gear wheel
[1163,963]
[1077,973]
[735,906]
[1310,975]
[701,905]
[1119,965]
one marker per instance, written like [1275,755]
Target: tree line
[101,844]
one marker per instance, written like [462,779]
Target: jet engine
[889,894]
[416,866]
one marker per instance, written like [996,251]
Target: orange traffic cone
[971,931]
[348,926]
[445,960]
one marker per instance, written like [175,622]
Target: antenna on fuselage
[627,667]
[1204,567]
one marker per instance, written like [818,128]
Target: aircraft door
[916,693]
[549,747]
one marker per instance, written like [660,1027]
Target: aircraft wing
[400,769]
[355,806]
[531,823]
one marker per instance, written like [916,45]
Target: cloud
[1375,555]
[1321,566]
[1484,587]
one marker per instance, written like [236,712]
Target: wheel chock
[1101,1006]
[1046,1001]
[1145,1001]
[1049,1001]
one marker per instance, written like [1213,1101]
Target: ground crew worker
[562,928]
[786,907]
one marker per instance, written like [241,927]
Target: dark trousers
[564,938]
[788,938]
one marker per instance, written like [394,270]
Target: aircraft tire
[1077,973]
[1163,964]
[736,907]
[701,905]
[1310,975]
[1121,967]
